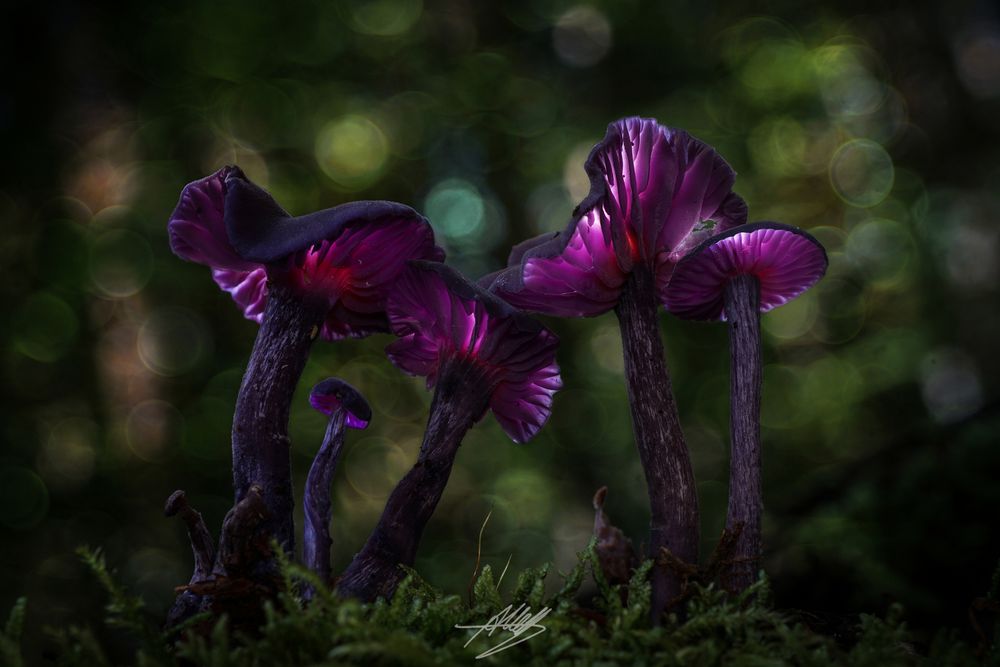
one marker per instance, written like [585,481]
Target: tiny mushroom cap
[334,394]
[785,260]
[439,315]
[177,502]
[348,255]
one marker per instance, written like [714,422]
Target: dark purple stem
[459,400]
[316,503]
[673,498]
[745,499]
[261,452]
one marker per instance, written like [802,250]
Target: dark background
[872,126]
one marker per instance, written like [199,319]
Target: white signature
[516,621]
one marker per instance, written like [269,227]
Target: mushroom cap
[785,260]
[655,192]
[573,273]
[349,254]
[440,315]
[661,183]
[263,232]
[334,394]
[175,503]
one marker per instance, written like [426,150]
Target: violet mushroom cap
[438,314]
[334,394]
[786,261]
[349,254]
[655,192]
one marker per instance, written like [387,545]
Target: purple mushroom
[478,353]
[325,273]
[655,193]
[346,408]
[203,549]
[736,276]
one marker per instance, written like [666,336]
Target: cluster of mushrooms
[661,226]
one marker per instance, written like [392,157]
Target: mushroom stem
[745,499]
[673,498]
[261,452]
[316,503]
[460,399]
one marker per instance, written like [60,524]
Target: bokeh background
[872,126]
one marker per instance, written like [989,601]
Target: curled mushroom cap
[347,255]
[656,192]
[334,394]
[440,316]
[785,260]
[197,228]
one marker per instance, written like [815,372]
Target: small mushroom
[325,273]
[198,535]
[346,408]
[615,553]
[186,604]
[655,192]
[477,353]
[736,276]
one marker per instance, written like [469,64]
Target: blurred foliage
[418,627]
[871,126]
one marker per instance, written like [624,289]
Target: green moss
[417,627]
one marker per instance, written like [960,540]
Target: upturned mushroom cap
[655,192]
[348,255]
[785,260]
[334,394]
[439,315]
